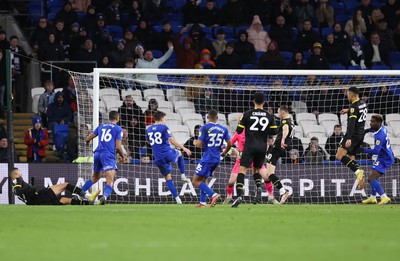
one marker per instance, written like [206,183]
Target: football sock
[239,184]
[203,187]
[75,201]
[87,185]
[373,191]
[181,165]
[269,187]
[107,191]
[229,191]
[76,190]
[351,164]
[376,185]
[172,188]
[274,179]
[257,179]
[203,197]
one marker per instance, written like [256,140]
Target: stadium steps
[22,122]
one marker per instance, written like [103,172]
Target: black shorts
[47,196]
[253,155]
[274,154]
[356,142]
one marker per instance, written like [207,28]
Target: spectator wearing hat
[104,42]
[90,20]
[166,35]
[200,40]
[341,36]
[386,34]
[325,14]
[282,34]
[357,56]
[356,25]
[303,11]
[186,57]
[40,35]
[205,59]
[59,112]
[332,49]
[229,59]
[119,55]
[257,36]
[113,13]
[130,40]
[74,41]
[294,156]
[149,113]
[190,144]
[272,59]
[220,43]
[150,62]
[36,138]
[317,60]
[307,37]
[139,52]
[100,26]
[191,12]
[332,143]
[67,14]
[376,52]
[245,49]
[211,16]
[4,151]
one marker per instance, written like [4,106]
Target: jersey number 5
[106,135]
[263,121]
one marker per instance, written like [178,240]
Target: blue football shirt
[213,136]
[157,135]
[108,133]
[382,147]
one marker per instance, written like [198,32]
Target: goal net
[315,98]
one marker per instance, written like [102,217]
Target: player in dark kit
[281,144]
[47,196]
[354,137]
[259,124]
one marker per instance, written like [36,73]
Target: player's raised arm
[174,142]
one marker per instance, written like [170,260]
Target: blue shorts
[380,167]
[164,164]
[104,161]
[206,169]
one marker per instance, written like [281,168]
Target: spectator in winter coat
[45,100]
[282,34]
[257,36]
[376,52]
[146,35]
[205,59]
[185,55]
[36,139]
[113,13]
[220,43]
[156,10]
[119,55]
[59,112]
[191,12]
[40,35]
[317,60]
[68,15]
[211,16]
[297,62]
[272,59]
[325,14]
[149,61]
[356,25]
[90,20]
[307,37]
[332,50]
[166,35]
[88,53]
[245,49]
[332,143]
[200,40]
[234,13]
[357,56]
[229,59]
[303,11]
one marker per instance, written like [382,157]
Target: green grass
[171,232]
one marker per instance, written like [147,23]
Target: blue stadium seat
[287,55]
[258,55]
[355,67]
[342,18]
[179,4]
[157,53]
[249,66]
[51,16]
[337,67]
[395,58]
[115,30]
[54,5]
[208,32]
[298,80]
[350,5]
[325,31]
[295,34]
[380,67]
[239,28]
[157,28]
[133,28]
[285,80]
[60,136]
[81,15]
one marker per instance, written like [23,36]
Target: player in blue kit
[384,160]
[160,139]
[104,155]
[211,137]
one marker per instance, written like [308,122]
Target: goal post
[315,98]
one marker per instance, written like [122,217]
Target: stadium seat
[354,67]
[240,28]
[153,93]
[395,125]
[249,66]
[176,95]
[109,93]
[35,94]
[183,111]
[157,53]
[191,124]
[306,118]
[233,118]
[115,30]
[287,55]
[179,4]
[298,80]
[58,90]
[173,118]
[192,116]
[380,67]
[298,132]
[325,31]
[183,105]
[299,107]
[112,104]
[395,58]
[314,130]
[144,105]
[179,129]
[337,67]
[328,117]
[136,94]
[392,117]
[165,106]
[350,5]
[157,28]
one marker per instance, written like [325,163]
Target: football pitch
[172,232]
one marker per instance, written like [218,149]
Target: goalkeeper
[47,196]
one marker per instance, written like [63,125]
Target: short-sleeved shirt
[213,136]
[382,147]
[158,135]
[289,137]
[358,110]
[108,134]
[259,124]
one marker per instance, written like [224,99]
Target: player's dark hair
[354,90]
[337,126]
[213,114]
[113,115]
[378,118]
[284,108]
[259,97]
[158,115]
[11,171]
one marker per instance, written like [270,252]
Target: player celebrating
[47,196]
[354,137]
[160,138]
[240,139]
[104,155]
[282,142]
[258,124]
[384,160]
[212,136]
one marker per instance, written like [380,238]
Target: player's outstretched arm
[90,137]
[178,145]
[118,145]
[228,148]
[375,150]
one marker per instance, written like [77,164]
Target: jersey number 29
[263,121]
